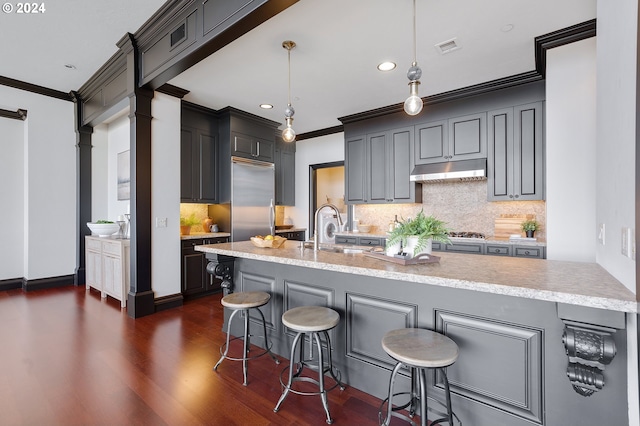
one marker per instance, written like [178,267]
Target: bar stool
[315,321]
[243,302]
[419,350]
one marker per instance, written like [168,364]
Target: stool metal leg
[424,410]
[266,342]
[245,347]
[323,392]
[329,350]
[392,380]
[287,388]
[226,348]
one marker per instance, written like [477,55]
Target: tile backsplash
[462,205]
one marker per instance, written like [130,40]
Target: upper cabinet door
[432,143]
[377,170]
[355,169]
[207,162]
[400,164]
[528,152]
[468,137]
[515,163]
[459,138]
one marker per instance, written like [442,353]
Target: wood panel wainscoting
[70,358]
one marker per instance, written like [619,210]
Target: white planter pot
[411,245]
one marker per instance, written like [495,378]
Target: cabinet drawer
[369,241]
[346,240]
[93,245]
[498,250]
[524,251]
[111,247]
[465,248]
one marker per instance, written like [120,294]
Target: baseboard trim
[11,284]
[51,282]
[168,302]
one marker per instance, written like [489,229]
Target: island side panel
[512,364]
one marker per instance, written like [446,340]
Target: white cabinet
[107,267]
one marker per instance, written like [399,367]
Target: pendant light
[288,134]
[413,104]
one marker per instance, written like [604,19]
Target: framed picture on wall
[124,177]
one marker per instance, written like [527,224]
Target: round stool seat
[245,300]
[310,318]
[420,348]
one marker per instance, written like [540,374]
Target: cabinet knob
[527,252]
[517,196]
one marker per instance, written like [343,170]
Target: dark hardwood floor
[69,358]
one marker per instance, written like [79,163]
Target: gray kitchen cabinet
[242,135]
[497,249]
[515,166]
[355,169]
[360,241]
[285,165]
[293,235]
[195,281]
[459,138]
[378,168]
[198,156]
[251,147]
[536,252]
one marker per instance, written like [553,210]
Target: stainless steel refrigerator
[252,199]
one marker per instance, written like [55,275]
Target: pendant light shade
[413,104]
[288,134]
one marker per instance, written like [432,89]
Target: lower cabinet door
[193,275]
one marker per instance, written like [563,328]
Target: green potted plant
[530,227]
[417,234]
[186,223]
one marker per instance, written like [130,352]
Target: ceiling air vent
[447,46]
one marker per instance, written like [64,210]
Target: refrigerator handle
[272,217]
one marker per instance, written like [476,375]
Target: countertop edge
[612,304]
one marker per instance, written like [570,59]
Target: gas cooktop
[471,235]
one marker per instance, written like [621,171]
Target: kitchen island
[536,337]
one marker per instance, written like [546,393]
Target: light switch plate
[624,242]
[601,233]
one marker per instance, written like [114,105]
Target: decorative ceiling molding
[558,38]
[19,114]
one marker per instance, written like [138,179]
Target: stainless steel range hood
[464,170]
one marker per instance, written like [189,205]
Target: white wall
[118,140]
[571,152]
[324,149]
[12,195]
[99,173]
[49,184]
[165,194]
[616,121]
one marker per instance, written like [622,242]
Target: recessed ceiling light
[506,28]
[70,66]
[266,106]
[386,66]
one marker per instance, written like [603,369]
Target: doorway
[326,181]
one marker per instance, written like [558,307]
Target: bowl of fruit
[268,241]
[103,228]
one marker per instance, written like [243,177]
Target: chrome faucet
[315,222]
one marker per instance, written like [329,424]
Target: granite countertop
[492,240]
[197,235]
[576,283]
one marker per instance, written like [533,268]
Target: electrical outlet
[624,241]
[601,234]
[161,222]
